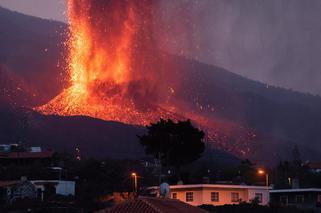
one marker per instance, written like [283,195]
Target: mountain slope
[14,89]
[280,118]
[246,113]
[33,48]
[95,138]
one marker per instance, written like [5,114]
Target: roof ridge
[145,200]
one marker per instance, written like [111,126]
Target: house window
[214,196]
[174,195]
[259,197]
[189,196]
[299,199]
[235,197]
[284,199]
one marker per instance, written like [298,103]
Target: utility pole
[160,169]
[134,175]
[262,172]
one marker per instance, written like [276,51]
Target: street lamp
[134,175]
[262,172]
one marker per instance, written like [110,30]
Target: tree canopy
[174,143]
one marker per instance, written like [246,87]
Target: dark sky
[272,41]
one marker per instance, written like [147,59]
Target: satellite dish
[164,190]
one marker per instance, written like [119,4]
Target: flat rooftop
[225,186]
[295,190]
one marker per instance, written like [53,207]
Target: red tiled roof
[153,205]
[314,165]
[9,183]
[21,155]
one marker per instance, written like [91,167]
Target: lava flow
[110,63]
[115,70]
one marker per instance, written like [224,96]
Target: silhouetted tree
[248,172]
[173,143]
[296,156]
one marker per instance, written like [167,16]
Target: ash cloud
[272,41]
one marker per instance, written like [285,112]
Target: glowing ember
[114,69]
[108,57]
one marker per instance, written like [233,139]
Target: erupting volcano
[116,72]
[111,62]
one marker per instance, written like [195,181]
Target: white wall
[203,196]
[62,187]
[65,188]
[181,195]
[265,193]
[225,196]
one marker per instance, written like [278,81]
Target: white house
[11,191]
[62,187]
[219,194]
[307,198]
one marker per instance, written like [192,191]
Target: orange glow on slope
[115,74]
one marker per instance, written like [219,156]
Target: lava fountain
[115,71]
[111,62]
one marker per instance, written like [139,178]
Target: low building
[152,205]
[314,167]
[59,187]
[11,191]
[219,194]
[19,155]
[309,198]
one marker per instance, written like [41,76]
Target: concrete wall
[225,196]
[203,195]
[265,195]
[309,199]
[197,196]
[62,187]
[65,188]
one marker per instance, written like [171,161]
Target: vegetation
[98,179]
[173,143]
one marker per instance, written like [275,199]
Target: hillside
[278,118]
[95,138]
[14,89]
[32,48]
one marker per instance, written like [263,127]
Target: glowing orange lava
[105,81]
[115,70]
